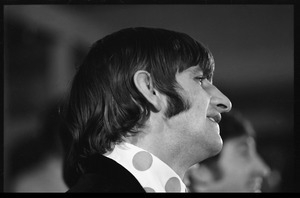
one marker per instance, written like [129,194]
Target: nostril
[222,106]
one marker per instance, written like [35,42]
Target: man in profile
[142,110]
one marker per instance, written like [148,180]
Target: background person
[237,168]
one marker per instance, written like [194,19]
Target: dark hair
[232,125]
[104,104]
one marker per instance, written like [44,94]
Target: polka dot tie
[152,173]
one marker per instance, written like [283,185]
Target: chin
[215,148]
[216,142]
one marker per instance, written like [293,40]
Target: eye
[244,152]
[200,78]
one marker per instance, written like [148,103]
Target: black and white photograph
[149,98]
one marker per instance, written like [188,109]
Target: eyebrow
[196,70]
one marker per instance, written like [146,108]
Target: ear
[144,84]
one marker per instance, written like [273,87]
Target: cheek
[236,167]
[199,102]
[202,100]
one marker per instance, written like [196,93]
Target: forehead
[196,70]
[193,70]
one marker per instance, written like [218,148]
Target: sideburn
[176,104]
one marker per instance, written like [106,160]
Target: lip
[215,118]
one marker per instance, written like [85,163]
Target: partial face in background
[197,128]
[241,166]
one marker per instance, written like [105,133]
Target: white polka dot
[142,161]
[148,189]
[173,185]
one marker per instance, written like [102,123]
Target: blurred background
[253,47]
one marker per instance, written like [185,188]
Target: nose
[220,101]
[262,167]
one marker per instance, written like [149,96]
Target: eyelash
[201,78]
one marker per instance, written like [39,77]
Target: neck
[157,138]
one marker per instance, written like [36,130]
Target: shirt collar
[152,173]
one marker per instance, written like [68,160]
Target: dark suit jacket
[105,175]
